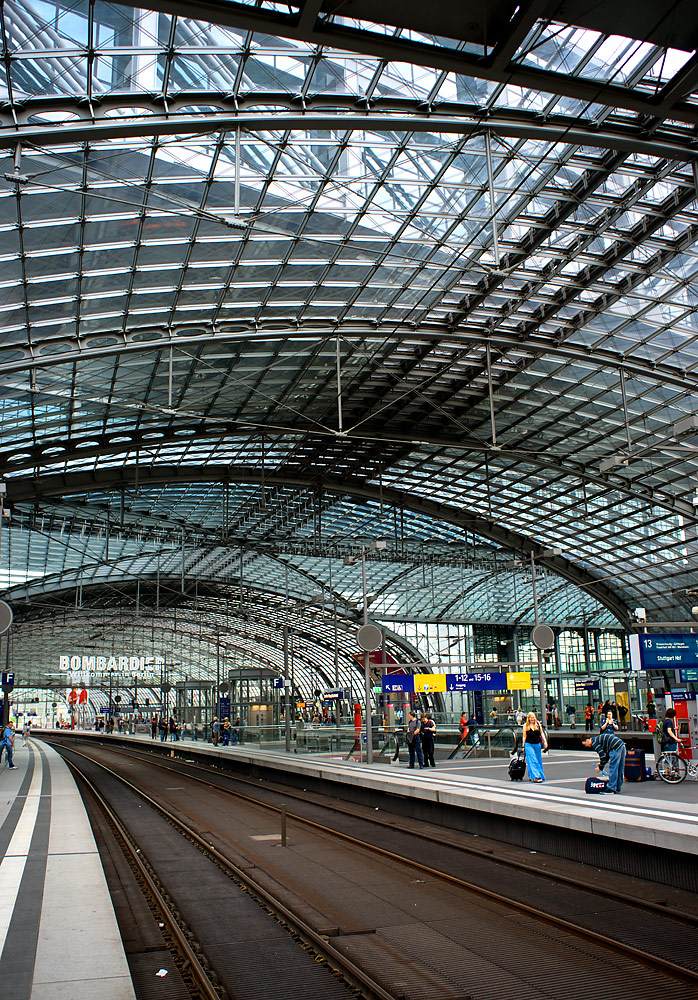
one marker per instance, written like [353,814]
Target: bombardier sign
[98,664]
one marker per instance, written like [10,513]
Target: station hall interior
[348,386]
[314,317]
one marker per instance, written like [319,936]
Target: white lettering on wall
[90,664]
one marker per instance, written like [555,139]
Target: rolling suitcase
[635,766]
[517,766]
[594,786]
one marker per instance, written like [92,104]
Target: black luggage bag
[517,766]
[635,766]
[593,786]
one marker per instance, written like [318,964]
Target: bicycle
[674,769]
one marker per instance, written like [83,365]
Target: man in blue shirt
[609,747]
[7,743]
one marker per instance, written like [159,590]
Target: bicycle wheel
[671,768]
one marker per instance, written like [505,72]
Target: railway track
[662,903]
[679,974]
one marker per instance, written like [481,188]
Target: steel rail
[353,973]
[651,961]
[203,982]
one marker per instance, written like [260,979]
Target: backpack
[659,732]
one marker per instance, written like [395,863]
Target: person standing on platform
[162,726]
[534,742]
[611,750]
[571,716]
[428,736]
[589,717]
[414,740]
[153,727]
[622,716]
[7,744]
[608,725]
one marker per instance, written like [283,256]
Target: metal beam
[18,128]
[564,465]
[134,341]
[101,479]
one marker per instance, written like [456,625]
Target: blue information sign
[333,694]
[689,674]
[667,652]
[397,682]
[277,682]
[587,685]
[483,680]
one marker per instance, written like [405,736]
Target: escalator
[487,741]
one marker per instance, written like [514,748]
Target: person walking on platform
[667,738]
[7,744]
[534,742]
[414,740]
[611,750]
[428,736]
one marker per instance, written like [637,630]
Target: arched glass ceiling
[197,634]
[254,271]
[283,541]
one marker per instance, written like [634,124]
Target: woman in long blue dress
[534,742]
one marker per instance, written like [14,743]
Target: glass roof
[278,285]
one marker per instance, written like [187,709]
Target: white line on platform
[13,864]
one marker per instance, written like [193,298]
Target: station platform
[59,938]
[649,830]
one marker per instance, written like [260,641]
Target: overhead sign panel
[587,685]
[392,683]
[428,683]
[483,680]
[663,652]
